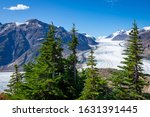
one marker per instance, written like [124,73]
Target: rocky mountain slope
[20,42]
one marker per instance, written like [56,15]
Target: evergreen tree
[43,77]
[51,53]
[73,57]
[122,88]
[69,83]
[14,84]
[91,63]
[129,82]
[133,60]
[95,87]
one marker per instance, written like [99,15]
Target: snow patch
[39,25]
[118,32]
[87,35]
[127,32]
[146,28]
[40,39]
[18,23]
[27,23]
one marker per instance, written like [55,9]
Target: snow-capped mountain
[144,34]
[124,34]
[119,35]
[146,28]
[120,32]
[89,36]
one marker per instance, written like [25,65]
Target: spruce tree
[91,63]
[42,77]
[129,82]
[133,60]
[15,82]
[73,57]
[51,53]
[95,86]
[69,83]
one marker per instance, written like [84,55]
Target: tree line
[53,77]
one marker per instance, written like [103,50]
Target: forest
[54,77]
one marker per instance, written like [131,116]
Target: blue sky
[95,17]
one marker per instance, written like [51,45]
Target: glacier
[4,79]
[109,54]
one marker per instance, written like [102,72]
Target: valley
[108,54]
[21,42]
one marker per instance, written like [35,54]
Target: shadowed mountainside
[20,42]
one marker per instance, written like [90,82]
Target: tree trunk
[75,73]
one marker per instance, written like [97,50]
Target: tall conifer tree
[73,57]
[14,84]
[51,53]
[95,87]
[133,60]
[42,78]
[91,63]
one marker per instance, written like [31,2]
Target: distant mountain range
[144,34]
[20,42]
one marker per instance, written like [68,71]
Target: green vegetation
[129,82]
[53,77]
[14,91]
[95,87]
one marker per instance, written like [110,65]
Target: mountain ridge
[144,35]
[20,42]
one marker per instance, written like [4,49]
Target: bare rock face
[20,42]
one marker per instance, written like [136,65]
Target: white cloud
[18,7]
